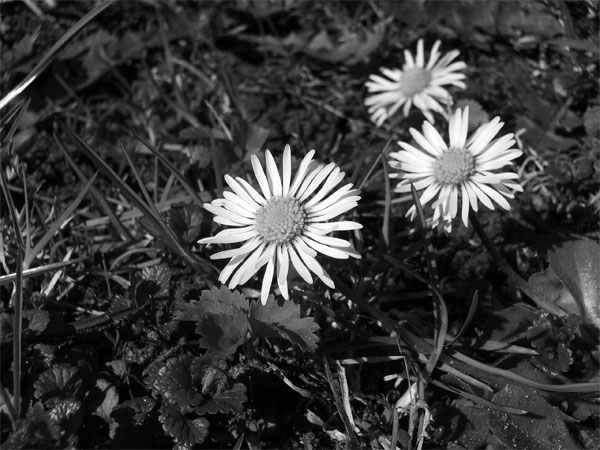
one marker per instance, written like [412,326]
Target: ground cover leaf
[577,265]
[59,380]
[175,382]
[283,320]
[222,334]
[542,428]
[218,397]
[105,397]
[186,432]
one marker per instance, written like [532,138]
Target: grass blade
[163,159]
[53,52]
[95,193]
[149,212]
[58,223]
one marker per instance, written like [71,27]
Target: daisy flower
[418,83]
[286,222]
[470,170]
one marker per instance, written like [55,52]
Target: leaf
[542,428]
[37,430]
[552,336]
[106,399]
[577,265]
[216,301]
[188,222]
[283,320]
[38,319]
[217,395]
[61,380]
[227,402]
[222,334]
[175,383]
[591,121]
[349,48]
[548,283]
[157,276]
[185,431]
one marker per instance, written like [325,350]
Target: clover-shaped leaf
[283,320]
[175,383]
[62,380]
[186,432]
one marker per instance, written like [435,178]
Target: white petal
[465,205]
[299,265]
[283,263]
[287,169]
[266,283]
[241,192]
[273,175]
[302,169]
[260,177]
[222,212]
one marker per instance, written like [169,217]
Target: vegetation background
[119,120]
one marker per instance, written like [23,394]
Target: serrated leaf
[222,334]
[283,320]
[185,431]
[543,428]
[175,383]
[215,301]
[577,265]
[61,380]
[227,402]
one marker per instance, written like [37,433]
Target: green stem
[540,299]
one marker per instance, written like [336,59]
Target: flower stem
[540,299]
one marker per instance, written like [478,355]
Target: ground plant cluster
[281,224]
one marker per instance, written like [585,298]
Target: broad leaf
[175,383]
[577,265]
[283,320]
[227,402]
[222,334]
[542,428]
[216,301]
[186,432]
[218,397]
[61,380]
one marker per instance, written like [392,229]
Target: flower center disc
[414,80]
[280,220]
[454,167]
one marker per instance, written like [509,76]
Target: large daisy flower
[470,170]
[418,83]
[287,222]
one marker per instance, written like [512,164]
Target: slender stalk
[540,299]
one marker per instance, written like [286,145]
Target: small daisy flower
[469,170]
[416,84]
[287,222]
